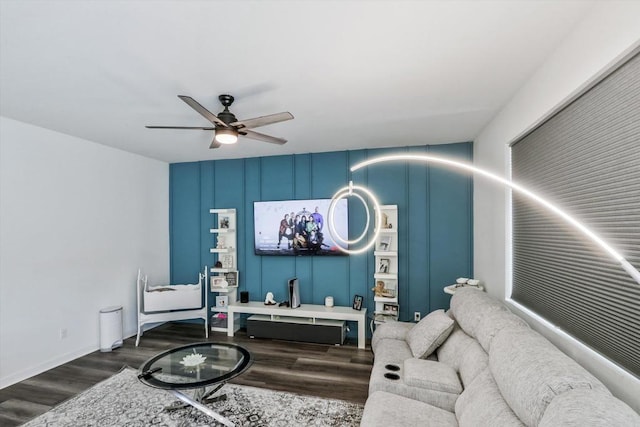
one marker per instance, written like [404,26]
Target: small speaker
[244,296]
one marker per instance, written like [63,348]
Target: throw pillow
[429,333]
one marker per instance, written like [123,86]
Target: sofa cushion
[380,381]
[387,410]
[481,404]
[463,354]
[432,375]
[393,330]
[429,333]
[577,408]
[470,305]
[474,361]
[531,372]
[495,321]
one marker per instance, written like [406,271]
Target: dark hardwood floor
[338,372]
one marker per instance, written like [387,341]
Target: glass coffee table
[196,366]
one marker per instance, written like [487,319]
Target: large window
[586,159]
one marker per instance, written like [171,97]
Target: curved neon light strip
[348,191]
[630,269]
[332,222]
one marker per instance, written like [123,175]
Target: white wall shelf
[226,253]
[386,267]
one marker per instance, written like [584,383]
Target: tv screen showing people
[299,227]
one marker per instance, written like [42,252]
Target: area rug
[122,400]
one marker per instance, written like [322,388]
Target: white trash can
[110,328]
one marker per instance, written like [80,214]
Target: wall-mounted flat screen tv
[299,227]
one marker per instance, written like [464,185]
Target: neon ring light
[346,192]
[626,265]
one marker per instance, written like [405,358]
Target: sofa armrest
[431,375]
[390,330]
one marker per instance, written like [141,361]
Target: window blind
[586,160]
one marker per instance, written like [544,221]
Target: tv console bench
[310,311]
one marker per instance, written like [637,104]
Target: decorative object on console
[328,301]
[357,302]
[244,297]
[268,300]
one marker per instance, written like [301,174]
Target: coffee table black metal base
[188,401]
[201,395]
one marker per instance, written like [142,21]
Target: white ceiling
[354,74]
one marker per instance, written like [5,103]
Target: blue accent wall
[435,220]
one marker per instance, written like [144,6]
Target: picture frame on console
[357,302]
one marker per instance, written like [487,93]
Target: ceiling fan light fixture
[226,136]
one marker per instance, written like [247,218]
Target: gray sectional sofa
[480,365]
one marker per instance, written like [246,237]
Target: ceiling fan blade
[214,143]
[180,127]
[263,120]
[262,137]
[203,111]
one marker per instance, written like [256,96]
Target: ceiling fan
[227,127]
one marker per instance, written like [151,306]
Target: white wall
[610,30]
[77,219]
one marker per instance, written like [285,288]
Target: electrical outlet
[63,333]
[416,316]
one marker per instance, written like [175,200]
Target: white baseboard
[16,377]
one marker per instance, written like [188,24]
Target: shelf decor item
[383,266]
[385,243]
[222,301]
[232,278]
[218,282]
[224,222]
[227,261]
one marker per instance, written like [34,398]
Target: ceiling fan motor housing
[226,100]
